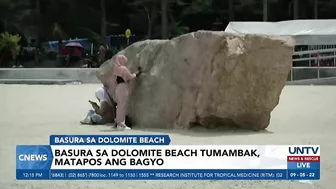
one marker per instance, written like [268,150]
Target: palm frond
[91,35]
[10,42]
[58,32]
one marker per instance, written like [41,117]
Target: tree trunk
[149,20]
[103,20]
[265,10]
[153,18]
[164,19]
[231,10]
[38,20]
[296,9]
[315,9]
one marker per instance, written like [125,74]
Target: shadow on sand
[198,131]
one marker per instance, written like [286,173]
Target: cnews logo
[33,157]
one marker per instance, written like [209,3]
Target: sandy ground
[29,114]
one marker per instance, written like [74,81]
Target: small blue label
[303,165]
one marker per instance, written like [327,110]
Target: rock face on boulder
[207,78]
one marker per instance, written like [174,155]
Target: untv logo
[303,150]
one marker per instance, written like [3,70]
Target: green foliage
[113,51]
[177,29]
[109,53]
[198,6]
[64,19]
[10,42]
[91,35]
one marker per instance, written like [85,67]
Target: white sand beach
[30,113]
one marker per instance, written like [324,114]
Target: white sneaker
[128,128]
[122,126]
[86,121]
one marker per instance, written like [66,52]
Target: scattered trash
[74,83]
[306,181]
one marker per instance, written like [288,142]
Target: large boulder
[207,78]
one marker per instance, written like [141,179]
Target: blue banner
[109,140]
[168,174]
[36,162]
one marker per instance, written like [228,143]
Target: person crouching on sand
[105,113]
[122,76]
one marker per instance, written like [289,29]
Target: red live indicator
[303,158]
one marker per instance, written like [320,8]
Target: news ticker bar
[168,174]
